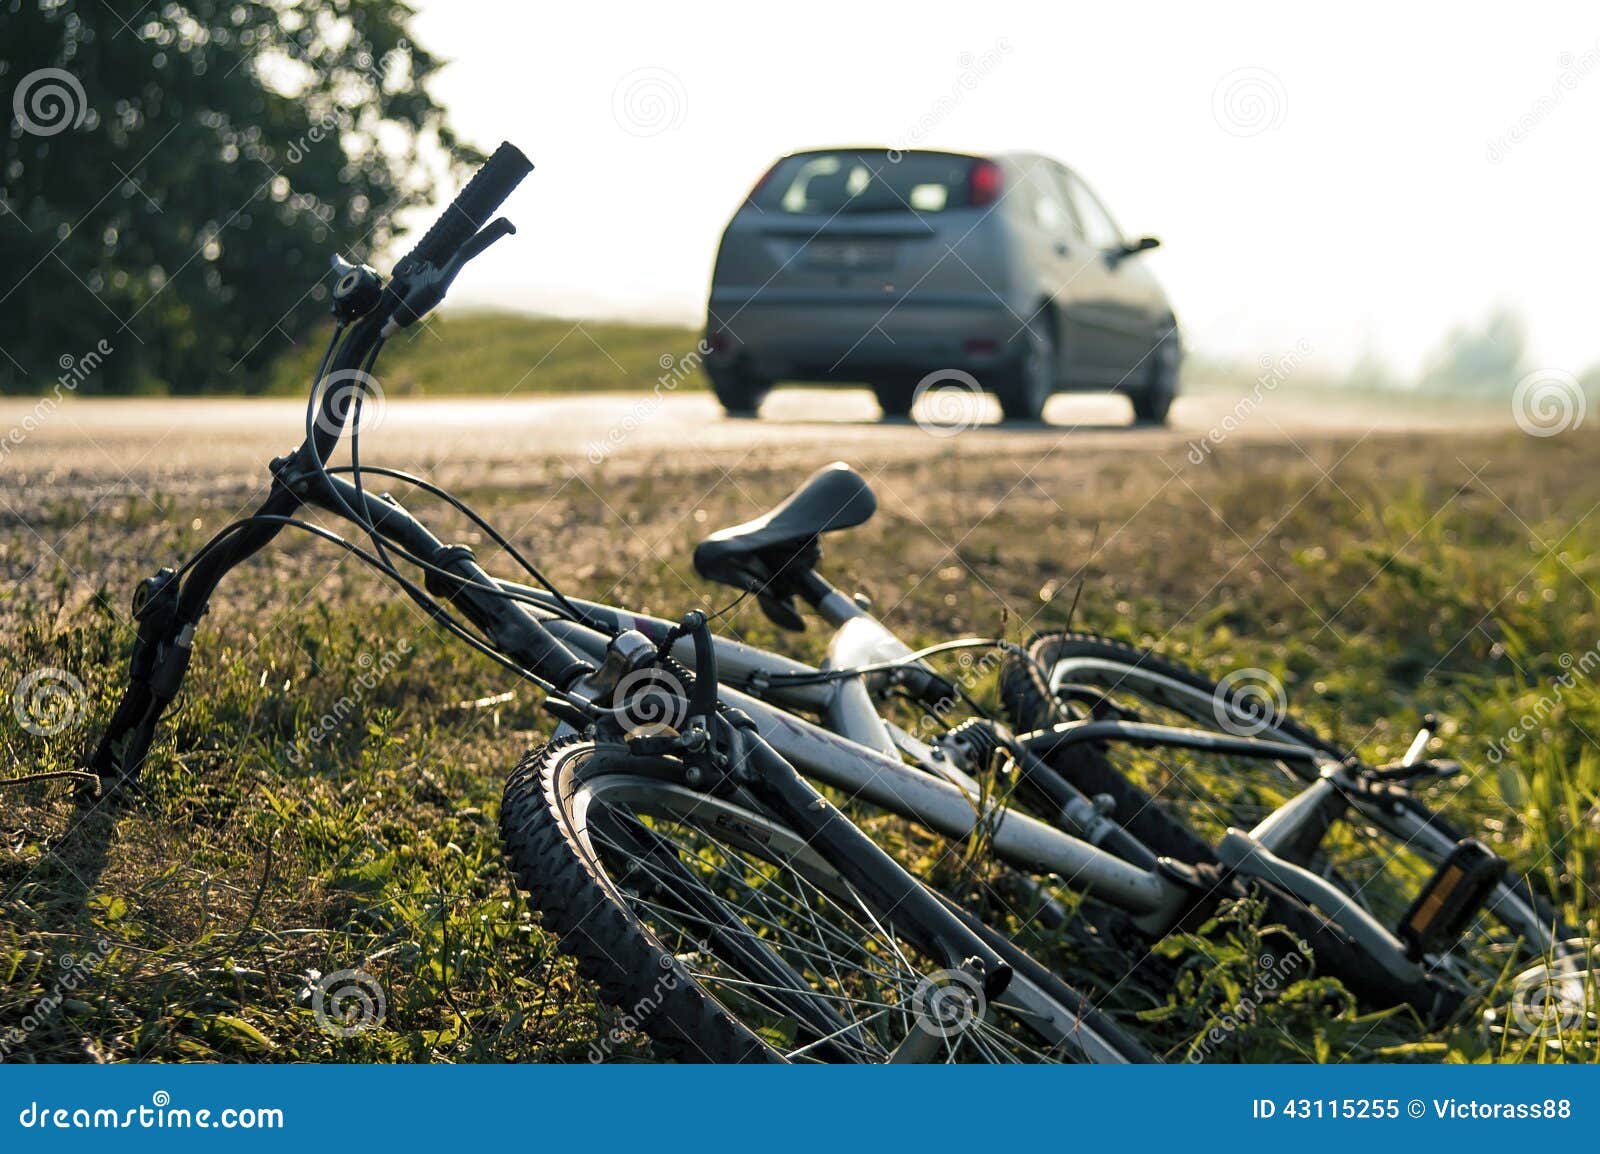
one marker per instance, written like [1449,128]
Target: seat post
[833,605]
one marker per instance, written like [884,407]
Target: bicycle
[691,869]
[670,832]
[1068,810]
[1351,839]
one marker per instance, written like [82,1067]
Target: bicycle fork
[723,749]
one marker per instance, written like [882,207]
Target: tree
[177,174]
[1486,359]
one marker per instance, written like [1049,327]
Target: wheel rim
[1379,867]
[1238,792]
[743,908]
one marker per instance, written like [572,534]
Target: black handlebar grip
[471,209]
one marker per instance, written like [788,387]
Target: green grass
[1376,580]
[500,354]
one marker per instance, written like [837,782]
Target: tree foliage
[177,174]
[1486,358]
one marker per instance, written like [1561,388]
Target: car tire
[739,393]
[895,397]
[1152,403]
[1032,380]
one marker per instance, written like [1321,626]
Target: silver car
[919,268]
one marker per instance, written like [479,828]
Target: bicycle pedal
[1459,888]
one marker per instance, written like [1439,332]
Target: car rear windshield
[866,181]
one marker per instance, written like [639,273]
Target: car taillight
[758,185]
[984,183]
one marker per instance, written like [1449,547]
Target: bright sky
[1353,176]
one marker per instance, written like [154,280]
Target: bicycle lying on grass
[671,832]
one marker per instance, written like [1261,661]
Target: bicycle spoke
[771,941]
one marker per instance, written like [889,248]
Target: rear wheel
[895,396]
[729,940]
[1033,379]
[1182,802]
[739,392]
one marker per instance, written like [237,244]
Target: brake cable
[822,676]
[388,569]
[355,446]
[828,676]
[435,609]
[355,469]
[483,524]
[381,562]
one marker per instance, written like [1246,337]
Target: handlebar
[471,208]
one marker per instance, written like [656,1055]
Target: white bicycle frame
[858,752]
[1255,850]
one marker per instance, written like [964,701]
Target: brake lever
[427,286]
[487,235]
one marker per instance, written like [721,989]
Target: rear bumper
[860,336]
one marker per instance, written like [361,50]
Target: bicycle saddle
[769,555]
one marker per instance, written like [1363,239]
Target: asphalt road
[86,444]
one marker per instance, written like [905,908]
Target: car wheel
[1031,382]
[739,392]
[1152,403]
[895,396]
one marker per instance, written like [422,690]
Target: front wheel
[729,939]
[1152,402]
